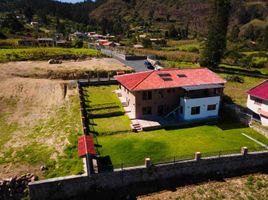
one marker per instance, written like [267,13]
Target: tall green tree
[215,44]
[265,38]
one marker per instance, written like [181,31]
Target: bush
[146,43]
[260,64]
[2,36]
[193,49]
[237,79]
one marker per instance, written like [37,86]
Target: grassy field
[130,148]
[183,45]
[163,145]
[32,150]
[238,91]
[100,95]
[23,54]
[178,56]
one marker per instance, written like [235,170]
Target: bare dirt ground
[27,102]
[43,69]
[246,187]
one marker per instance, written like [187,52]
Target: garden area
[164,145]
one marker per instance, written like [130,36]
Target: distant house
[28,42]
[138,46]
[46,42]
[62,43]
[78,35]
[258,102]
[189,94]
[111,44]
[34,24]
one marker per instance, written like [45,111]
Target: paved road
[137,65]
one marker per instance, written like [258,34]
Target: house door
[160,110]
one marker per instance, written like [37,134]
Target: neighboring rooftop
[169,78]
[260,91]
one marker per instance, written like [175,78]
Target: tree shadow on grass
[228,121]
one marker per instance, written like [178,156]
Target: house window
[147,110]
[195,110]
[212,107]
[161,94]
[258,101]
[147,95]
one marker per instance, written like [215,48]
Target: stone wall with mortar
[141,180]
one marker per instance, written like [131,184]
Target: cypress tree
[265,38]
[217,30]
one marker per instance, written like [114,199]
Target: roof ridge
[258,85]
[142,80]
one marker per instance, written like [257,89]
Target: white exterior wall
[264,121]
[187,105]
[130,99]
[256,106]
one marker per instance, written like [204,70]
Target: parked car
[148,65]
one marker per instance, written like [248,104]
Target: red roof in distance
[169,78]
[260,91]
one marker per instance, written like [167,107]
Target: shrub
[260,64]
[193,49]
[237,79]
[2,36]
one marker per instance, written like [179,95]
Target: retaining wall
[142,180]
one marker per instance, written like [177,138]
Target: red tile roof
[260,91]
[168,78]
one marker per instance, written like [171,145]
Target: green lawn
[22,54]
[101,95]
[163,145]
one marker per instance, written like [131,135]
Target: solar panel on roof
[164,75]
[167,79]
[182,76]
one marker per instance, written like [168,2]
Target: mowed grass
[97,95]
[163,145]
[22,54]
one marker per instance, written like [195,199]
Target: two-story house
[258,102]
[188,93]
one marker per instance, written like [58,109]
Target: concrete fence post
[244,151]
[148,163]
[197,156]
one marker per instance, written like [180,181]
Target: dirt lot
[41,69]
[247,187]
[30,129]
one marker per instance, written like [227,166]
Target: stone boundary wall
[142,180]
